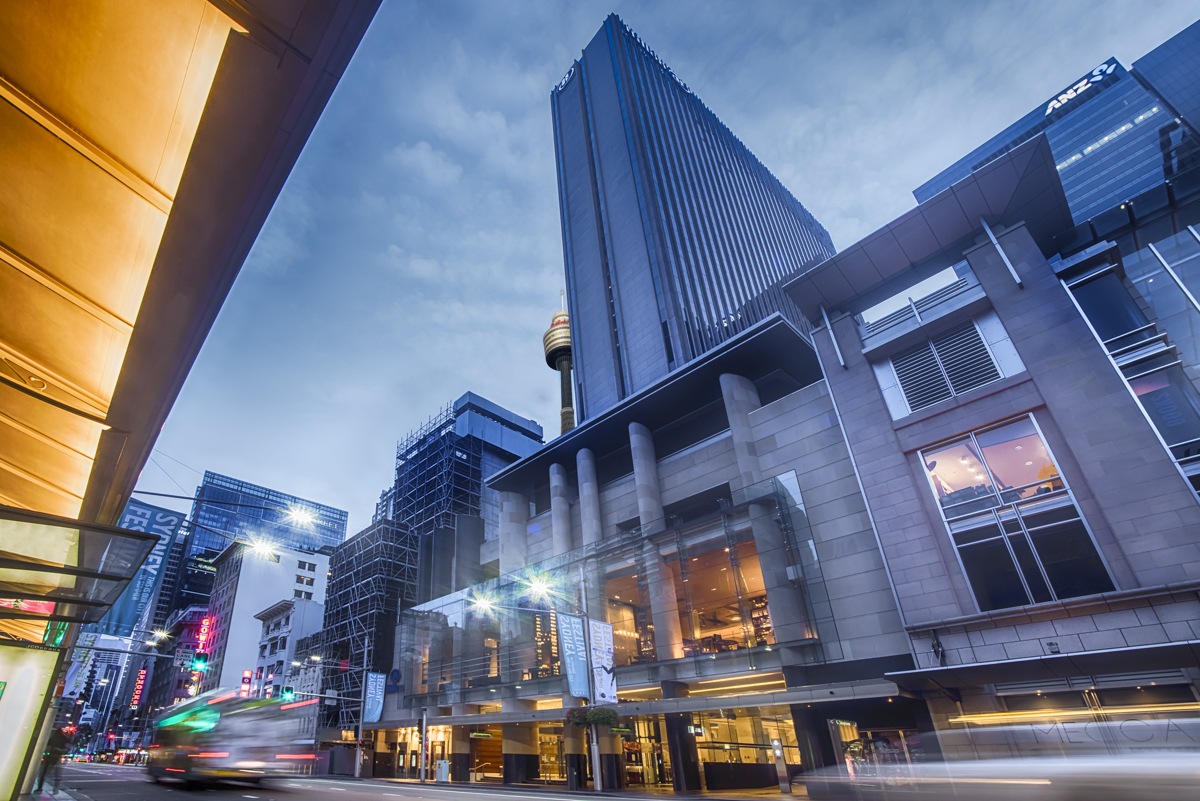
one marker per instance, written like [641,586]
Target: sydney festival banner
[571,652]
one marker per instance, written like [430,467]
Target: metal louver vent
[920,377]
[965,358]
[949,364]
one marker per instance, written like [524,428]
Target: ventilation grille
[949,364]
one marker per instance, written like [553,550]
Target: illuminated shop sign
[1082,85]
[246,677]
[137,689]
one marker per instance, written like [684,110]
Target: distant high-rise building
[228,509]
[1114,134]
[675,237]
[439,496]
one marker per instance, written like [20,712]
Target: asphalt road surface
[101,782]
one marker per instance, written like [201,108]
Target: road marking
[249,796]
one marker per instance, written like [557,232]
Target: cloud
[429,165]
[415,253]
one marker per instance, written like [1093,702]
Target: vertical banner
[600,636]
[143,588]
[373,695]
[572,655]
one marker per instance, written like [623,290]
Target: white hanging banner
[600,639]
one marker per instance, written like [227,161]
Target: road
[101,782]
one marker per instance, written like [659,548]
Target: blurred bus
[219,736]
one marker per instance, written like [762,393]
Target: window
[299,579]
[1152,356]
[1016,528]
[308,581]
[300,565]
[282,643]
[943,366]
[262,650]
[308,596]
[297,594]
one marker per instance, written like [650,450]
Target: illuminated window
[1019,536]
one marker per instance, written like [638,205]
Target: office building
[249,579]
[439,495]
[1114,133]
[284,623]
[229,510]
[675,237]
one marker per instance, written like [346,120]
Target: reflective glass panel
[1173,404]
[1016,457]
[959,479]
[1029,568]
[1110,308]
[1070,560]
[992,575]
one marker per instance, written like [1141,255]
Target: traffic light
[200,662]
[288,694]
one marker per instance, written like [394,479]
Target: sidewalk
[754,794]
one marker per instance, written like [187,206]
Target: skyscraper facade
[1173,69]
[1113,133]
[675,236]
[228,509]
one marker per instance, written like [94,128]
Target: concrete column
[664,604]
[645,474]
[589,496]
[520,749]
[514,519]
[681,743]
[574,746]
[460,753]
[741,398]
[788,620]
[612,759]
[560,509]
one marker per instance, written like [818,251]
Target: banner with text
[600,636]
[143,587]
[571,645]
[373,693]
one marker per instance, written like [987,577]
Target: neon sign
[1094,77]
[137,689]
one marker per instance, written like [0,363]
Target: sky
[415,253]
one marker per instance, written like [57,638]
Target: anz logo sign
[1096,76]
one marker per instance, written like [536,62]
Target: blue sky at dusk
[415,252]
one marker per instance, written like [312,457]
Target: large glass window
[1018,533]
[1154,355]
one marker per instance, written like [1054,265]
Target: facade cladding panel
[1112,139]
[1173,69]
[675,236]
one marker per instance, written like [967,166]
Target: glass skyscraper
[1112,133]
[675,237]
[228,509]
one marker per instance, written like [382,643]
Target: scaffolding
[373,576]
[439,475]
